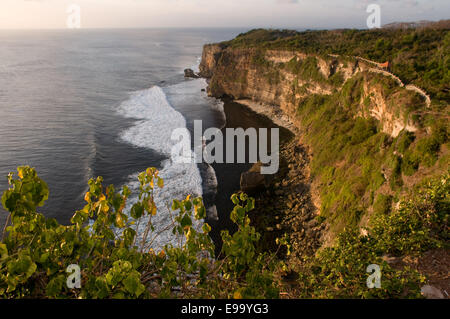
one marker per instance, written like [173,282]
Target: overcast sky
[40,14]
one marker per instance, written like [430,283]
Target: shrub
[404,140]
[337,79]
[410,163]
[36,251]
[420,223]
[427,149]
[340,271]
[396,180]
[440,131]
[362,130]
[382,205]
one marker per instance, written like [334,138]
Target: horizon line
[174,27]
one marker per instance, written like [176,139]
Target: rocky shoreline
[284,204]
[283,201]
[356,118]
[273,112]
[229,175]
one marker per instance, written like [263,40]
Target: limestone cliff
[364,127]
[283,78]
[364,139]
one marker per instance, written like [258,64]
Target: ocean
[77,104]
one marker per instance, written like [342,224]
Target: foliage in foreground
[36,251]
[419,223]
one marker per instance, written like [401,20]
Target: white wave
[196,66]
[157,119]
[190,92]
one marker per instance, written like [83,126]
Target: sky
[299,14]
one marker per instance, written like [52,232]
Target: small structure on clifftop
[385,66]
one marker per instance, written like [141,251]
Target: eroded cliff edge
[364,134]
[284,78]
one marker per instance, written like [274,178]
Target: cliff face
[364,139]
[353,115]
[210,58]
[284,78]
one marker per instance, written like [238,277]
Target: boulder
[431,292]
[253,181]
[189,73]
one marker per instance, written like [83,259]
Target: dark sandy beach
[228,175]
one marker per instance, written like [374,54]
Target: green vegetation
[36,251]
[353,145]
[420,223]
[340,272]
[337,79]
[307,69]
[418,56]
[425,151]
[353,158]
[357,168]
[404,140]
[382,205]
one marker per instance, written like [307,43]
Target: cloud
[287,1]
[216,13]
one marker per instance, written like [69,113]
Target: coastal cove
[89,119]
[229,175]
[285,203]
[280,164]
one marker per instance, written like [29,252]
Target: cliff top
[418,55]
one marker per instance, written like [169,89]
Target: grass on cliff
[308,69]
[419,56]
[420,223]
[35,252]
[353,158]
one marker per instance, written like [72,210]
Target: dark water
[229,175]
[59,94]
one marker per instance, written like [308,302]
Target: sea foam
[156,119]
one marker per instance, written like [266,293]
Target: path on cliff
[410,87]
